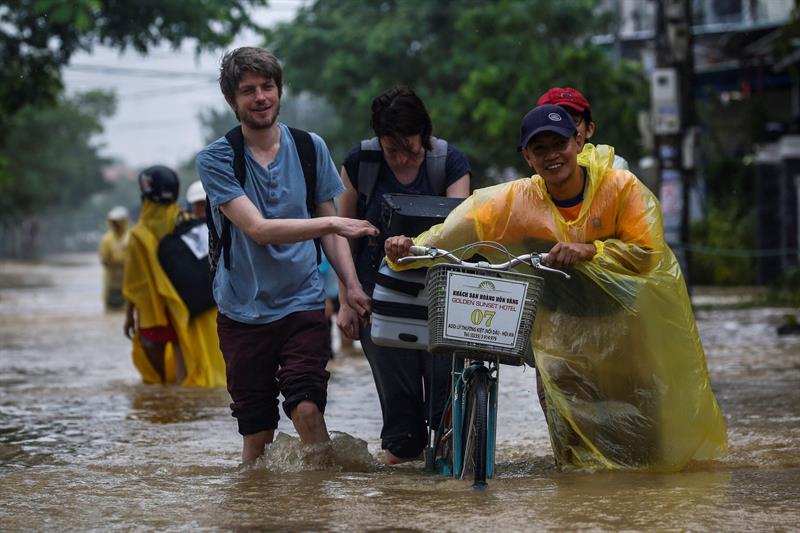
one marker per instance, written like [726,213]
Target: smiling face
[257,101]
[555,158]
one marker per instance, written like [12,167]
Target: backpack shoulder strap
[435,161]
[368,167]
[235,138]
[308,160]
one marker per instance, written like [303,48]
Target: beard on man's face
[247,118]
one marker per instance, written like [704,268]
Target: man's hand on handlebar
[397,247]
[568,254]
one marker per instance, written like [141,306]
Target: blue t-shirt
[368,251]
[267,282]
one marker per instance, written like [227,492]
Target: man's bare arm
[337,250]
[246,216]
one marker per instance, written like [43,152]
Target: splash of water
[344,453]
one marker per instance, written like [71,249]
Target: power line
[287,5]
[148,93]
[149,124]
[151,92]
[141,72]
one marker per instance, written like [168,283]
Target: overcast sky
[159,95]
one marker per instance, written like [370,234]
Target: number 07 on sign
[482,309]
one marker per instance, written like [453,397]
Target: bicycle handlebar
[534,260]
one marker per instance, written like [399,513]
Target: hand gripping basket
[478,313]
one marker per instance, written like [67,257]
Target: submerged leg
[155,355]
[309,422]
[180,364]
[253,445]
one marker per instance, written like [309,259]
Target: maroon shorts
[287,356]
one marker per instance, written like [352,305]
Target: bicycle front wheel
[479,437]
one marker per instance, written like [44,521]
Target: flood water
[85,446]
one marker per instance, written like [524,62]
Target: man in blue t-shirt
[404,154]
[271,324]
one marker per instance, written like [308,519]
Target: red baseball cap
[565,96]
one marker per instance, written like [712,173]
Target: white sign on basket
[483,309]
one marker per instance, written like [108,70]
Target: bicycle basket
[479,313]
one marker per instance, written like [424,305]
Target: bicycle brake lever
[536,262]
[410,258]
[542,267]
[420,253]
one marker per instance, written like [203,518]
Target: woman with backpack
[403,157]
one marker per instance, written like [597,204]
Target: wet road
[84,446]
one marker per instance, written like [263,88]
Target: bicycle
[481,313]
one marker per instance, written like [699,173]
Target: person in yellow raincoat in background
[623,368]
[112,256]
[168,345]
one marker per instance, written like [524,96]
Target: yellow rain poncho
[112,255]
[150,291]
[617,346]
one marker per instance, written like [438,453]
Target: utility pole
[673,120]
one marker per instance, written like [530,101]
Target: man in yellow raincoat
[617,346]
[112,256]
[169,346]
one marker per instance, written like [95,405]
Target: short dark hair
[586,114]
[248,59]
[399,113]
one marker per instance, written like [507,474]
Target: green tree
[215,122]
[724,228]
[38,37]
[55,169]
[48,153]
[479,66]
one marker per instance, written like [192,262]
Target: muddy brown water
[85,446]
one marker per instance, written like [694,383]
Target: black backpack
[182,255]
[219,244]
